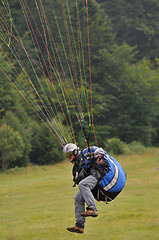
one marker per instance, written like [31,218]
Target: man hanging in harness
[98,176]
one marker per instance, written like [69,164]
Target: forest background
[124,42]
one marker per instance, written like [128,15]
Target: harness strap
[88,154]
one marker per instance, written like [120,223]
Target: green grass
[37,203]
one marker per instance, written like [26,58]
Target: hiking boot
[75,229]
[89,213]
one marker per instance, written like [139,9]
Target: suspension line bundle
[52,37]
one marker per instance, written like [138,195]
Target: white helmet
[99,152]
[70,149]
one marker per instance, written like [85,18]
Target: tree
[138,104]
[45,149]
[137,23]
[24,128]
[10,99]
[109,85]
[11,146]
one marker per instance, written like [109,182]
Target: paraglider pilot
[98,175]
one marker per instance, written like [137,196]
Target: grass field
[37,203]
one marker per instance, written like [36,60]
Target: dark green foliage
[137,23]
[9,98]
[11,147]
[45,149]
[24,130]
[138,103]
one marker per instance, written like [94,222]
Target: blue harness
[115,179]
